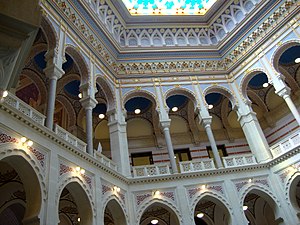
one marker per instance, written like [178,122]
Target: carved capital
[88,102]
[54,72]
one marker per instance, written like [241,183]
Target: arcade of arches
[108,118]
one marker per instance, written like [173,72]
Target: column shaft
[213,146]
[255,136]
[51,102]
[292,107]
[89,130]
[170,149]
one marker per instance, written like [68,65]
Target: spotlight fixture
[5,93]
[203,186]
[137,111]
[210,106]
[29,143]
[245,207]
[78,219]
[154,221]
[82,171]
[297,60]
[200,215]
[80,95]
[116,189]
[101,116]
[250,180]
[156,193]
[78,169]
[23,139]
[265,85]
[175,109]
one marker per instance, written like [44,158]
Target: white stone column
[254,134]
[53,73]
[88,103]
[251,128]
[118,143]
[184,205]
[165,127]
[281,88]
[285,94]
[206,122]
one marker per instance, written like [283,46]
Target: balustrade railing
[151,170]
[25,109]
[287,144]
[197,165]
[106,161]
[70,138]
[239,160]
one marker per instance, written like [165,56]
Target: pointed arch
[157,38]
[108,92]
[182,91]
[69,108]
[145,38]
[140,93]
[117,209]
[280,50]
[31,176]
[51,36]
[169,206]
[221,90]
[80,62]
[82,196]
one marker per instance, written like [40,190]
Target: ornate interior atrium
[141,112]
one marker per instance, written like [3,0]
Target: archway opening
[113,214]
[74,206]
[159,213]
[20,191]
[259,208]
[210,211]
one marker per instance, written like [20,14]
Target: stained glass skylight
[168,7]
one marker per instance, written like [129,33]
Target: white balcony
[239,160]
[106,161]
[285,145]
[197,165]
[24,109]
[151,170]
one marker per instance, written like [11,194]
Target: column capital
[88,102]
[165,124]
[205,121]
[284,92]
[54,72]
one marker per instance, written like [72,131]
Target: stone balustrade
[151,170]
[196,165]
[239,160]
[23,108]
[70,138]
[106,161]
[287,144]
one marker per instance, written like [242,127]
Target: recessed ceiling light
[80,95]
[297,60]
[175,109]
[245,207]
[101,116]
[200,215]
[137,111]
[265,85]
[210,106]
[154,221]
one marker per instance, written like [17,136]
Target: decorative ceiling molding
[163,66]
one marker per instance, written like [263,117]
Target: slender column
[165,126]
[281,87]
[118,143]
[285,94]
[206,122]
[53,73]
[88,103]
